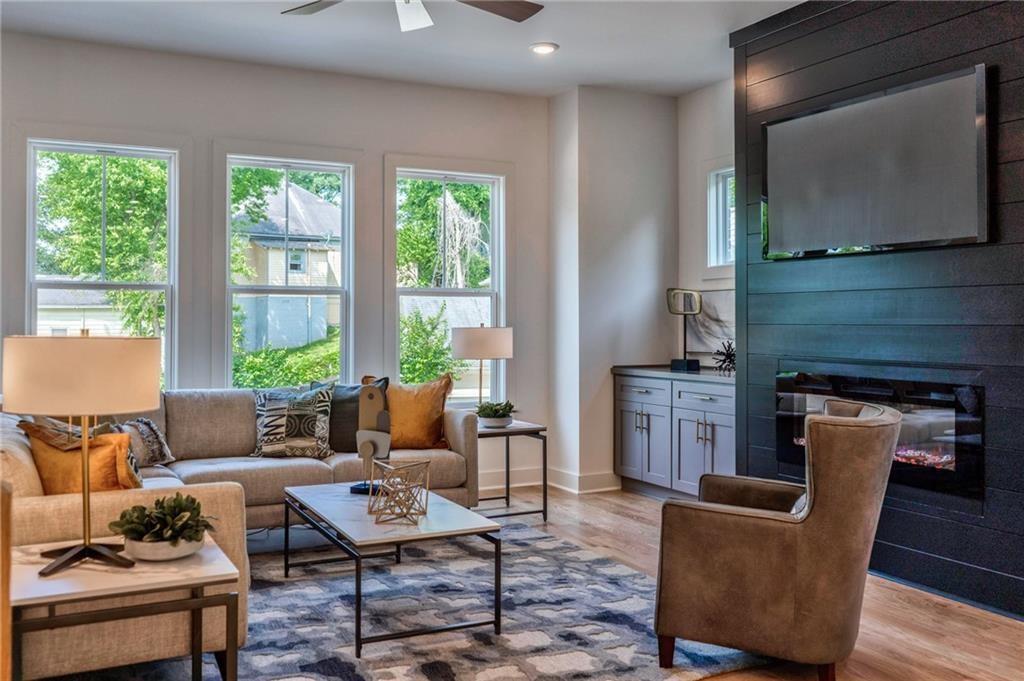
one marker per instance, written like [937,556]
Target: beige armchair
[757,565]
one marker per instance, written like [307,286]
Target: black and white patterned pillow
[290,422]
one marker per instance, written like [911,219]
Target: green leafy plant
[495,410]
[170,519]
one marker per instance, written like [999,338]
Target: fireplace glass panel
[941,442]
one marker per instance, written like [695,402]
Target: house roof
[310,218]
[56,297]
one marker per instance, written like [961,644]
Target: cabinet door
[721,443]
[629,440]
[688,455]
[657,445]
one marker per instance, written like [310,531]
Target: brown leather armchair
[757,565]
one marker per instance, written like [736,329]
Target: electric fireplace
[941,445]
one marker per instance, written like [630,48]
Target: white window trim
[343,290]
[718,216]
[709,168]
[169,288]
[501,174]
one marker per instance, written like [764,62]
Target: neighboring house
[306,253]
[63,312]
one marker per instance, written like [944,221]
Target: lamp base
[690,366]
[71,555]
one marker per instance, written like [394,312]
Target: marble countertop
[90,579]
[706,375]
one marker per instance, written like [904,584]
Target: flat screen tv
[902,168]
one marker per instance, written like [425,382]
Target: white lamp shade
[483,342]
[80,376]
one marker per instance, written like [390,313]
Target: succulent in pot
[495,414]
[173,527]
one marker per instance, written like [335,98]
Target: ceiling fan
[412,15]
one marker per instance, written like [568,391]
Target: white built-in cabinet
[671,428]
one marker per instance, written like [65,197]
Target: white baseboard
[564,480]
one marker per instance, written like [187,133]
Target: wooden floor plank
[905,634]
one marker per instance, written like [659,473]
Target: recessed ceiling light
[543,48]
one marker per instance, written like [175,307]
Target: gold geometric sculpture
[402,490]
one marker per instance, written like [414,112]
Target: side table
[526,429]
[96,582]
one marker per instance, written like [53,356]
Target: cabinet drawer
[646,390]
[720,399]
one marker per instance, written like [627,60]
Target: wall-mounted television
[903,168]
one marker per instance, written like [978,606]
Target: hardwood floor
[905,634]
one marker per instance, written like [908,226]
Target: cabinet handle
[710,440]
[643,391]
[636,421]
[699,438]
[704,398]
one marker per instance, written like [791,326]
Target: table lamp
[685,304]
[480,343]
[65,376]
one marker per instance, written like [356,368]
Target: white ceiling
[663,47]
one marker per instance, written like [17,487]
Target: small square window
[722,218]
[297,261]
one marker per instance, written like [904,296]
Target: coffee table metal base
[352,553]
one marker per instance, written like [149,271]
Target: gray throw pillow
[148,445]
[290,422]
[345,412]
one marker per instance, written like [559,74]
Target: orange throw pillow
[417,414]
[110,466]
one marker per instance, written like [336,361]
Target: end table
[96,582]
[535,431]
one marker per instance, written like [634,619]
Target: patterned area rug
[568,613]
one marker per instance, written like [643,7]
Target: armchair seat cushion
[263,479]
[447,468]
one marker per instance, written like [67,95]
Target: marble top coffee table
[344,520]
[91,582]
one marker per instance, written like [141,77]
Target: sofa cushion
[447,468]
[264,480]
[17,466]
[203,424]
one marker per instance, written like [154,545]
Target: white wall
[614,239]
[628,247]
[565,288]
[705,145]
[113,92]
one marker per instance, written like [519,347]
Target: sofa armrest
[460,429]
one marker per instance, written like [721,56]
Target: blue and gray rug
[568,613]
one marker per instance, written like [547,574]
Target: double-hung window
[449,268]
[102,222]
[288,270]
[722,218]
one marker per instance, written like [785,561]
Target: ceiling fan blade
[412,15]
[516,10]
[311,7]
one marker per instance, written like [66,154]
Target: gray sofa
[212,433]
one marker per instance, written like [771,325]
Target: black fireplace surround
[940,453]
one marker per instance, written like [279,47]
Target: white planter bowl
[160,550]
[495,422]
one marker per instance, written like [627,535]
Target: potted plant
[495,414]
[172,528]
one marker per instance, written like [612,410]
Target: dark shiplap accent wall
[952,314]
